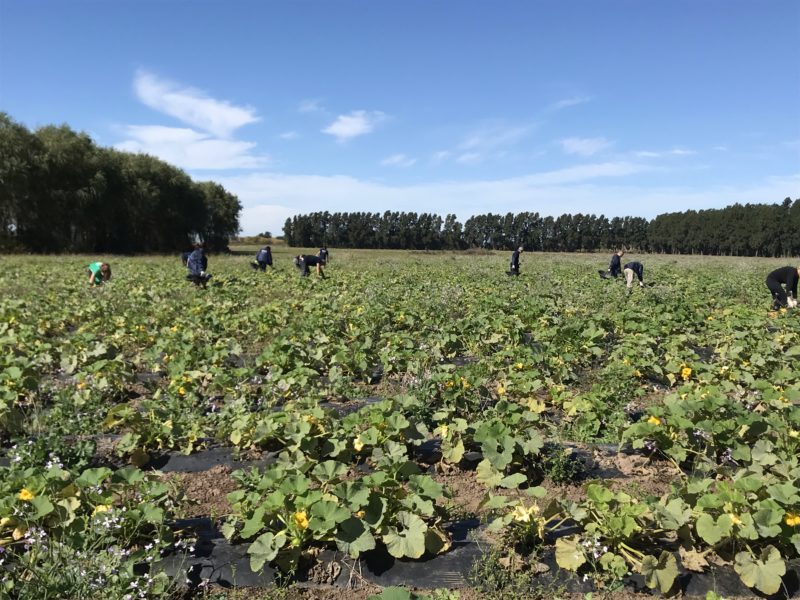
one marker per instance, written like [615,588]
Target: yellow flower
[173,329]
[301,519]
[25,495]
[449,384]
[501,391]
[792,519]
[735,519]
[626,361]
[686,372]
[465,383]
[182,391]
[81,385]
[638,373]
[443,429]
[360,514]
[101,508]
[522,514]
[654,420]
[709,318]
[793,433]
[519,366]
[358,444]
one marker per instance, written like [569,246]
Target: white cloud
[567,102]
[586,189]
[469,158]
[489,138]
[673,152]
[398,160]
[358,122]
[584,146]
[288,135]
[721,148]
[191,106]
[265,217]
[438,157]
[310,105]
[190,149]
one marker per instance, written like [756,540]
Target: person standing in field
[197,263]
[631,269]
[304,261]
[785,276]
[615,267]
[99,272]
[514,267]
[263,259]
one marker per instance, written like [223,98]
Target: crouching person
[263,259]
[304,261]
[197,263]
[99,272]
[785,276]
[631,269]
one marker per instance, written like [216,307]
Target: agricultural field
[472,434]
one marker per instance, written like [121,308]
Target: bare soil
[206,491]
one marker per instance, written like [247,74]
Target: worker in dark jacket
[304,261]
[514,267]
[263,259]
[785,276]
[615,267]
[631,269]
[197,263]
[323,255]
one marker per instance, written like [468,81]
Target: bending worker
[630,269]
[303,261]
[99,272]
[785,276]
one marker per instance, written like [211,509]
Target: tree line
[744,230]
[60,192]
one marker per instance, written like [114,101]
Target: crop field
[414,421]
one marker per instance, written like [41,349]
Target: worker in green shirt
[99,272]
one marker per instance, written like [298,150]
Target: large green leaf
[353,537]
[660,573]
[264,549]
[761,572]
[407,540]
[569,554]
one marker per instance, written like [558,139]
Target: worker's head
[105,269]
[620,252]
[520,248]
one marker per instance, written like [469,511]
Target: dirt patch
[206,491]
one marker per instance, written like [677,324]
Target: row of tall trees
[744,230]
[60,192]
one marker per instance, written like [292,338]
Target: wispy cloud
[190,149]
[663,153]
[357,123]
[398,160]
[310,105]
[207,144]
[288,135]
[191,106]
[567,102]
[483,143]
[584,146]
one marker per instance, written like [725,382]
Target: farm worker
[514,268]
[263,259]
[197,263]
[614,268]
[99,272]
[781,297]
[303,261]
[630,269]
[323,255]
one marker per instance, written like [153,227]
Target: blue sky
[633,107]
